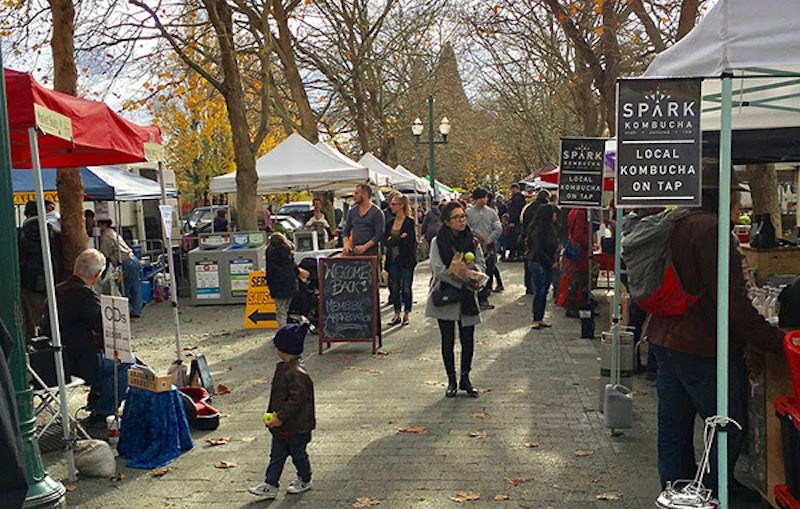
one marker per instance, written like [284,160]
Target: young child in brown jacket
[290,414]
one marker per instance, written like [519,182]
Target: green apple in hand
[267,418]
[469,257]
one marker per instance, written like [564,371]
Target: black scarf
[450,243]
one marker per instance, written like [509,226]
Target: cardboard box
[148,381]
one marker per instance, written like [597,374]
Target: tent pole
[173,286]
[52,305]
[616,316]
[723,261]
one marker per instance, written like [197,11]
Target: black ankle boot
[466,386]
[452,387]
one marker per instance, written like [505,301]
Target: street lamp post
[444,130]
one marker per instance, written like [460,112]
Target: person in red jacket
[577,262]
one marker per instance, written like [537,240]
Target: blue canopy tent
[100,183]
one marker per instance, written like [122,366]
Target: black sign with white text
[580,178]
[658,143]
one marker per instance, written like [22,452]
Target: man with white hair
[81,324]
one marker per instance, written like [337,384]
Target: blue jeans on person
[541,278]
[283,446]
[400,279]
[132,282]
[101,398]
[687,386]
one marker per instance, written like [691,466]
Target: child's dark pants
[284,446]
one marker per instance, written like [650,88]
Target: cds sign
[658,143]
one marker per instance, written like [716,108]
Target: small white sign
[116,328]
[166,219]
[101,211]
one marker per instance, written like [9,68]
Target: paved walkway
[533,436]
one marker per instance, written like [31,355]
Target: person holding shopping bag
[458,267]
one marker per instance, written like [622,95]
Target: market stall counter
[770,382]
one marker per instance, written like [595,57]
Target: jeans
[541,278]
[467,337]
[687,386]
[284,446]
[101,398]
[400,279]
[131,280]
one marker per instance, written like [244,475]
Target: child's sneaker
[265,490]
[298,486]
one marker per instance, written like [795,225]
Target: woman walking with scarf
[454,298]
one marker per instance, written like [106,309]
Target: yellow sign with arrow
[259,310]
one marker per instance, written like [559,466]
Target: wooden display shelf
[779,260]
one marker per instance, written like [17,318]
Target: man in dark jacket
[528,212]
[515,206]
[432,222]
[290,414]
[81,324]
[31,264]
[685,347]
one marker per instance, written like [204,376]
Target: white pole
[173,288]
[52,305]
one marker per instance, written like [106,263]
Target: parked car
[297,209]
[202,216]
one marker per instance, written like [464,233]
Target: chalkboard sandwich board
[348,302]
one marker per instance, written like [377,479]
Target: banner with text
[659,143]
[580,179]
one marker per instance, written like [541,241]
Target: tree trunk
[243,153]
[687,18]
[763,180]
[308,121]
[70,185]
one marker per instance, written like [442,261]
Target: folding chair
[45,393]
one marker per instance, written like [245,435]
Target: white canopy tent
[297,165]
[416,184]
[748,54]
[386,174]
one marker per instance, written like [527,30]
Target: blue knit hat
[290,338]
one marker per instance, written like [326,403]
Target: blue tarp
[100,183]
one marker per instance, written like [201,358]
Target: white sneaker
[265,490]
[298,486]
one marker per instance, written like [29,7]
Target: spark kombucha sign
[659,143]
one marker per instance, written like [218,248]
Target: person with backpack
[31,264]
[679,290]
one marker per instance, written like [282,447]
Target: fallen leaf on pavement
[514,481]
[423,359]
[555,378]
[596,378]
[351,368]
[588,409]
[484,390]
[118,477]
[380,353]
[531,445]
[609,495]
[434,382]
[222,416]
[228,368]
[500,497]
[160,472]
[371,370]
[362,502]
[583,453]
[249,440]
[258,381]
[225,464]
[479,434]
[465,496]
[419,430]
[222,389]
[481,415]
[70,487]
[218,441]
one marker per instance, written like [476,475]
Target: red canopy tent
[61,131]
[98,136]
